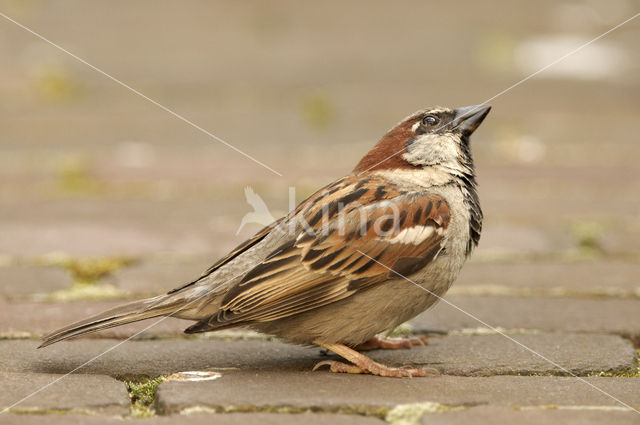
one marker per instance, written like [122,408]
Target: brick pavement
[105,198]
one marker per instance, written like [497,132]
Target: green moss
[620,375]
[410,414]
[55,84]
[17,335]
[588,237]
[142,394]
[74,176]
[86,273]
[83,292]
[318,110]
[377,412]
[632,374]
[538,407]
[90,270]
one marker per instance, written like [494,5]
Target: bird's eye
[430,120]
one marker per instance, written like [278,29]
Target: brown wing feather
[350,218]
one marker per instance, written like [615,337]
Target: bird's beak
[468,118]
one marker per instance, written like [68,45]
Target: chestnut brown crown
[429,137]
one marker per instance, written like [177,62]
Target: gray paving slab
[490,415]
[21,281]
[308,390]
[612,278]
[579,314]
[99,227]
[603,315]
[154,357]
[37,318]
[580,354]
[155,277]
[50,392]
[506,234]
[198,419]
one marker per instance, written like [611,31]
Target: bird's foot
[377,369]
[389,343]
[363,364]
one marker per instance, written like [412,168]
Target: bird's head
[430,137]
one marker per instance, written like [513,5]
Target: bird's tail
[132,312]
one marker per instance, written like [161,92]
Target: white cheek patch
[413,235]
[431,149]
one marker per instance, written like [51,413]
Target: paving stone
[93,236]
[601,278]
[490,415]
[154,357]
[619,316]
[528,205]
[455,355]
[20,281]
[152,277]
[580,354]
[198,419]
[112,227]
[567,193]
[38,318]
[313,390]
[527,239]
[94,393]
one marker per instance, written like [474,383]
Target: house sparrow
[334,271]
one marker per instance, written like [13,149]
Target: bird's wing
[354,231]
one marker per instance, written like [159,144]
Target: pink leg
[363,364]
[384,342]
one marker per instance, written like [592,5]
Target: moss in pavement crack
[142,394]
[410,414]
[377,412]
[633,374]
[90,270]
[87,273]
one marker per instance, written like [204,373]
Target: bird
[356,259]
[260,214]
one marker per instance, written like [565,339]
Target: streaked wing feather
[316,268]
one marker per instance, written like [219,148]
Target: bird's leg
[389,343]
[363,364]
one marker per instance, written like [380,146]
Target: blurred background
[104,195]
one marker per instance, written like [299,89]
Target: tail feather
[127,313]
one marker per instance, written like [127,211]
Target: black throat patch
[472,201]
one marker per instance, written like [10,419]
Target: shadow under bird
[359,257]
